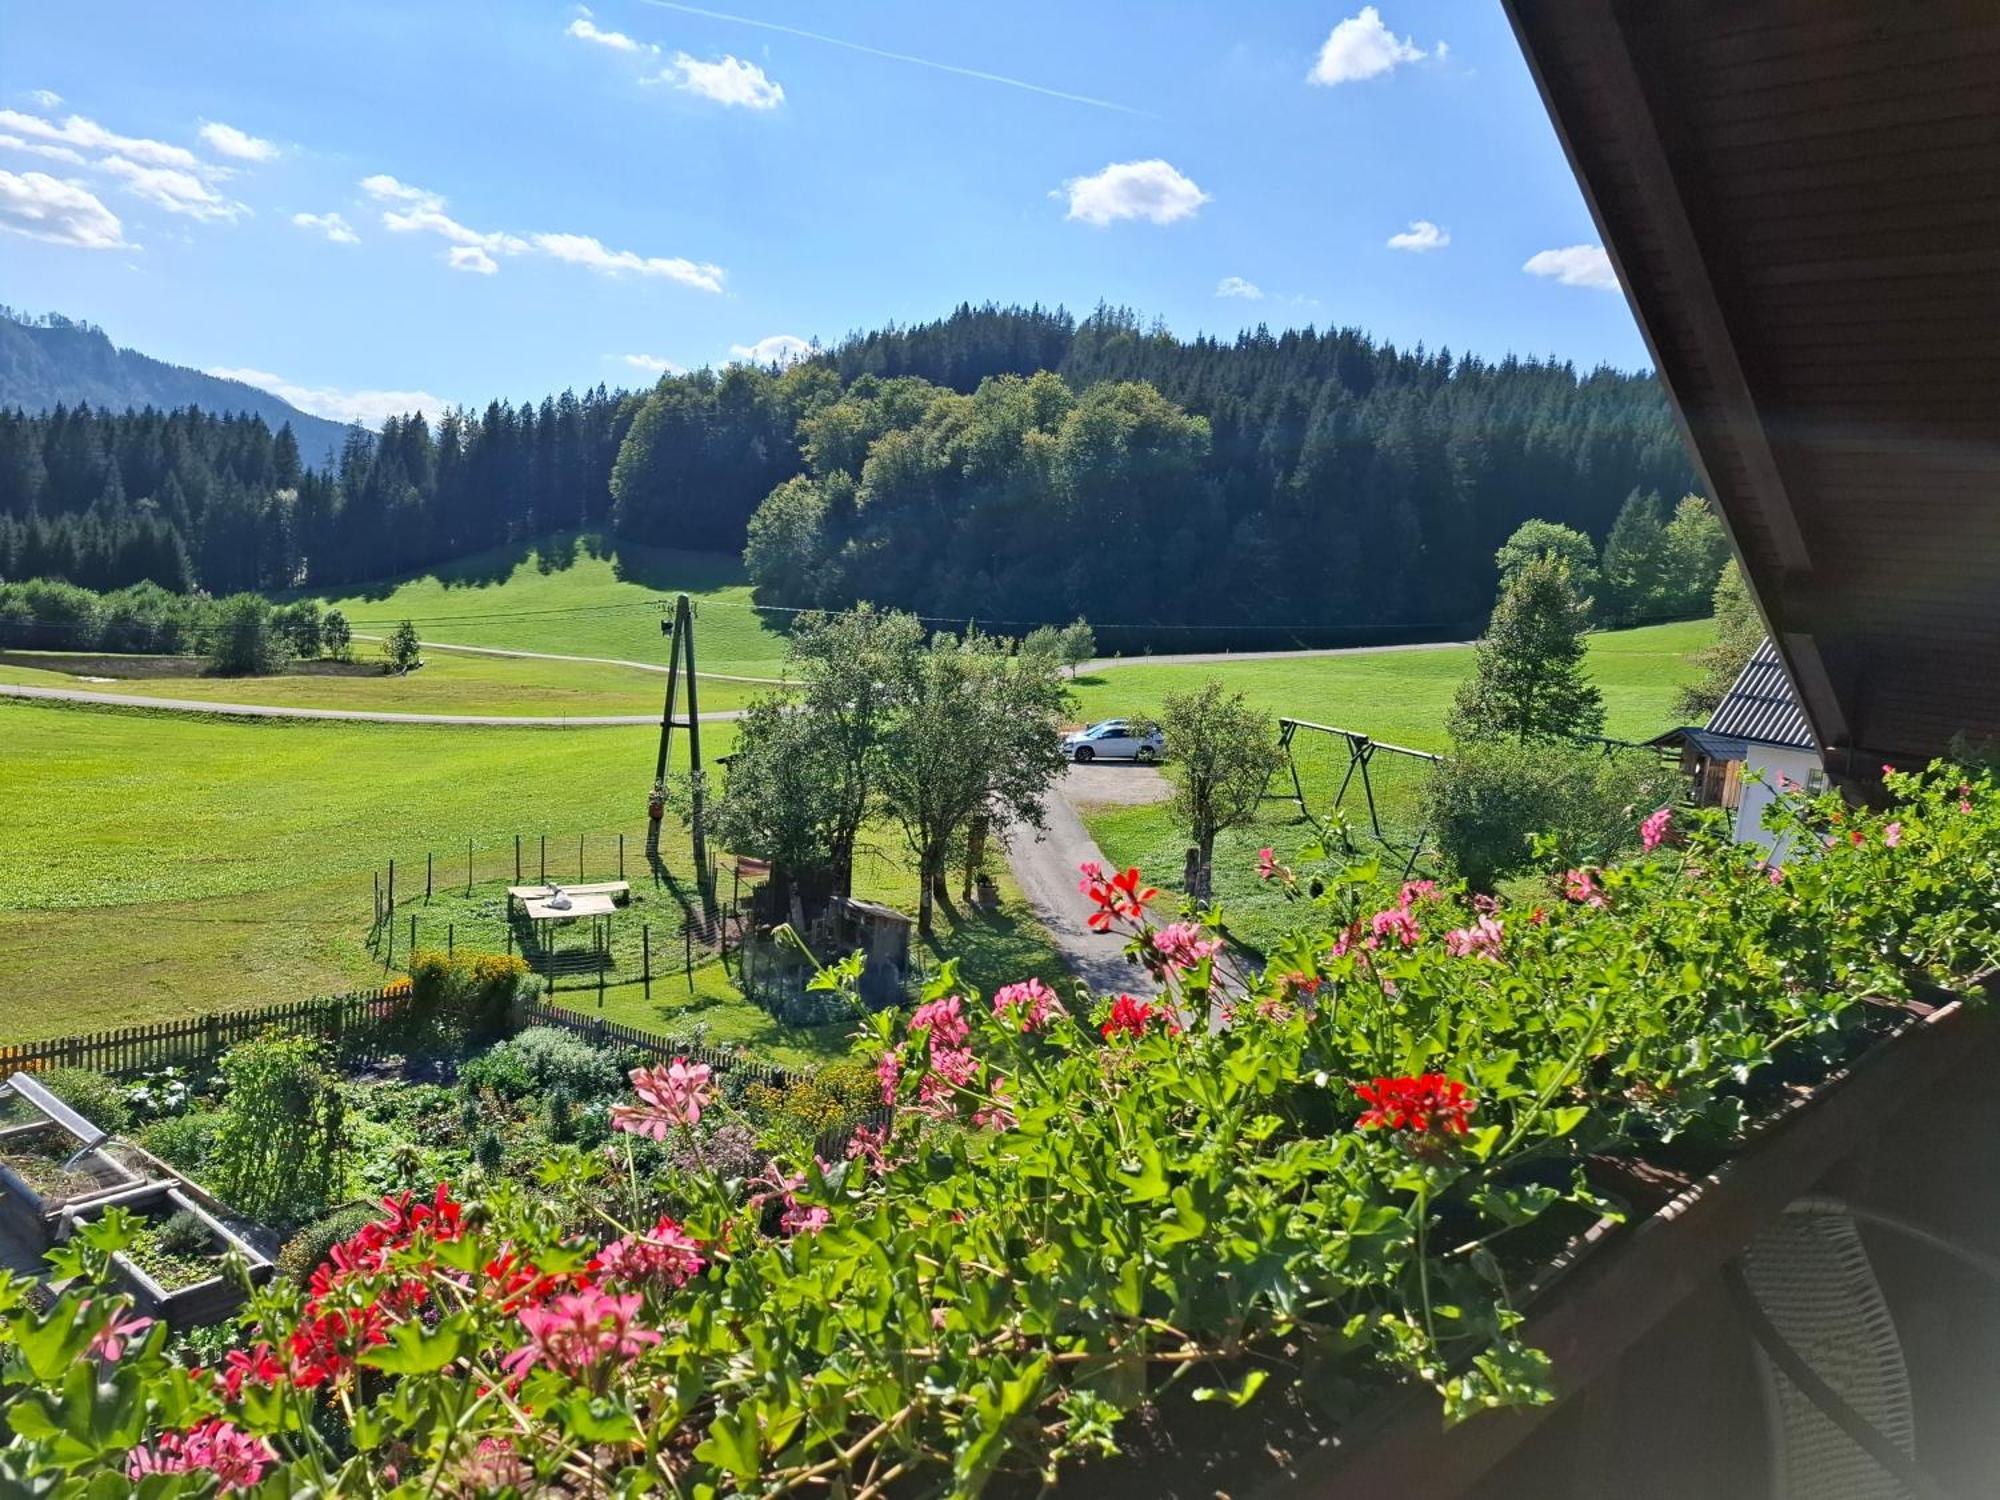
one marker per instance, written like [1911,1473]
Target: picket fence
[355,1023]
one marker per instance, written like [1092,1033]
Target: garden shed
[1756,741]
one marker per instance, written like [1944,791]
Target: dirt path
[601,661]
[1221,658]
[359,715]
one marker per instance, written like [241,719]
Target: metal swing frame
[1361,750]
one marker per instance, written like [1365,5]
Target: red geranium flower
[1432,1101]
[1128,1017]
[1123,895]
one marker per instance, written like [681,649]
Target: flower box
[187,1301]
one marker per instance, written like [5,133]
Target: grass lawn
[569,596]
[1401,697]
[156,865]
[447,683]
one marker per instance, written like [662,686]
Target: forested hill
[1008,465]
[49,362]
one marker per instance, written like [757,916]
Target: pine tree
[1529,683]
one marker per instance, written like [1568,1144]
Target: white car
[1114,739]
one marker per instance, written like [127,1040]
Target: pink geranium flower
[579,1332]
[1397,923]
[1482,938]
[664,1256]
[889,1073]
[670,1095]
[1034,1002]
[236,1458]
[1581,886]
[1653,832]
[944,1020]
[1181,945]
[1893,835]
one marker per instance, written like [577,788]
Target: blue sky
[366,202]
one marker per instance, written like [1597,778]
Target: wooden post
[392,890]
[427,877]
[468,867]
[621,856]
[450,939]
[545,859]
[517,859]
[510,939]
[413,934]
[378,897]
[579,859]
[687,942]
[646,950]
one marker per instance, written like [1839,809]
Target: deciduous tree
[1224,752]
[1529,683]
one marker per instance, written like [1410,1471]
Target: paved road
[1045,866]
[602,661]
[359,715]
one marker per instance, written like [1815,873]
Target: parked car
[1114,739]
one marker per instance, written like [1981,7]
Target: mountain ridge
[57,361]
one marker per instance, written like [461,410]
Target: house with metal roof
[1756,741]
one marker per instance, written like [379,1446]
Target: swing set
[1362,750]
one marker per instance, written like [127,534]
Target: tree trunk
[1202,881]
[927,878]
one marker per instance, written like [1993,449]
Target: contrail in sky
[903,57]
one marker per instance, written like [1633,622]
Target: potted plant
[656,802]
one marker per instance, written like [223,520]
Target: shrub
[1485,802]
[280,1141]
[499,1070]
[305,1251]
[92,1095]
[459,998]
[184,1233]
[245,639]
[181,1140]
[557,1058]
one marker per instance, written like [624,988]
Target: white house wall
[1763,765]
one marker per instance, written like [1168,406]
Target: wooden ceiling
[1802,198]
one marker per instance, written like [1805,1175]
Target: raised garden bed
[50,1159]
[174,1268]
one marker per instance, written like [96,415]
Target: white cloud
[387,188]
[582,29]
[175,191]
[729,81]
[1362,47]
[63,213]
[47,98]
[366,407]
[652,364]
[1236,286]
[1151,190]
[1422,235]
[480,251]
[88,135]
[1575,265]
[778,349]
[37,148]
[333,226]
[230,141]
[587,250]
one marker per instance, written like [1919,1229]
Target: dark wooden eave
[1802,199]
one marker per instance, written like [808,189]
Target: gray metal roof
[1761,706]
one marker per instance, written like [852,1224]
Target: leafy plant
[97,1098]
[280,1140]
[305,1251]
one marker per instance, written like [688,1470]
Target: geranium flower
[889,1073]
[665,1256]
[1034,1002]
[999,1114]
[578,1332]
[1581,886]
[1124,895]
[1415,891]
[1892,835]
[944,1020]
[1431,1101]
[1181,945]
[1396,922]
[1654,830]
[1128,1017]
[1268,867]
[1482,938]
[236,1458]
[109,1342]
[1775,874]
[797,1218]
[670,1095]
[258,1365]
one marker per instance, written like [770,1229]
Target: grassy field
[1399,696]
[447,683]
[154,865]
[581,598]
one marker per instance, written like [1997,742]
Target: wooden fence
[354,1023]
